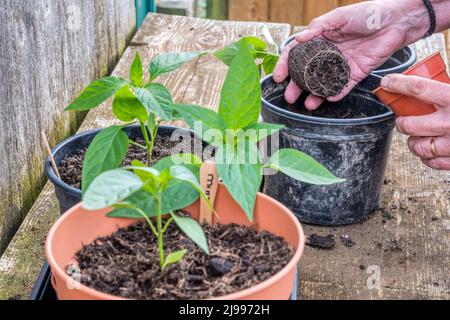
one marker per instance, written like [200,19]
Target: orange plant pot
[79,226]
[432,67]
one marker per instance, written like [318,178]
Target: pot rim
[59,182]
[411,60]
[233,296]
[388,115]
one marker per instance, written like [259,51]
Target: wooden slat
[347,2]
[288,11]
[198,82]
[317,8]
[49,50]
[248,10]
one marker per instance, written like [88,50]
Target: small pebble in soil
[347,241]
[219,266]
[362,267]
[320,242]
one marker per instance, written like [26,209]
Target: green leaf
[140,199]
[152,124]
[106,152]
[302,167]
[182,173]
[206,123]
[96,93]
[192,230]
[126,107]
[173,257]
[259,131]
[177,196]
[156,98]
[111,187]
[168,62]
[240,102]
[136,72]
[189,160]
[227,54]
[149,176]
[241,172]
[269,63]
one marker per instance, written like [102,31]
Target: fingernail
[385,82]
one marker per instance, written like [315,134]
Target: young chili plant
[235,132]
[136,101]
[142,192]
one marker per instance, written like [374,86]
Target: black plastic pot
[399,62]
[67,195]
[355,149]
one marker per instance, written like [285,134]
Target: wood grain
[287,11]
[198,82]
[317,8]
[248,10]
[49,51]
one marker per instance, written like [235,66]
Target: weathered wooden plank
[317,8]
[198,82]
[408,240]
[248,10]
[347,2]
[50,50]
[287,11]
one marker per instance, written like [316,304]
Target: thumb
[427,90]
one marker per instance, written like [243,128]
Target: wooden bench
[408,243]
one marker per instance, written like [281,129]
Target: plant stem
[137,144]
[167,225]
[148,144]
[160,232]
[149,222]
[268,53]
[153,139]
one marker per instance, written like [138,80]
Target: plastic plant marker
[209,180]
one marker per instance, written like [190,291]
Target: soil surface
[126,263]
[70,169]
[319,67]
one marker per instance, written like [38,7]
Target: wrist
[410,18]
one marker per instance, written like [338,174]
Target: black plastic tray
[43,289]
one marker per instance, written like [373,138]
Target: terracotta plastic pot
[79,226]
[432,67]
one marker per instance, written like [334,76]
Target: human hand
[366,47]
[429,135]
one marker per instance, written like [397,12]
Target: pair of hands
[368,48]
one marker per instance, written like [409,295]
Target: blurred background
[295,12]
